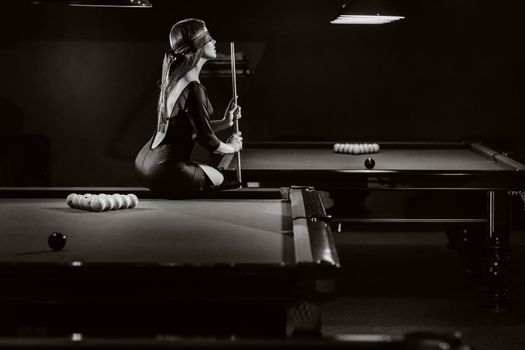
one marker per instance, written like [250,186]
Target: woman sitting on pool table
[184,111]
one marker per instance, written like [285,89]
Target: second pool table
[463,172]
[398,165]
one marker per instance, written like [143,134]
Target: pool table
[244,262]
[453,169]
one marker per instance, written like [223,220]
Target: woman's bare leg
[213,174]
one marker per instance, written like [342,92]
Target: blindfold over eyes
[195,44]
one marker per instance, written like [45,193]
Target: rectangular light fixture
[99,3]
[367,12]
[111,3]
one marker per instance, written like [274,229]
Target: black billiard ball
[370,163]
[56,241]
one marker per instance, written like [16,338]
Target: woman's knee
[213,174]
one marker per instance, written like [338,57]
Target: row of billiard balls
[102,201]
[356,148]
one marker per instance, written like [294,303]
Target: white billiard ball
[134,200]
[69,199]
[104,199]
[86,201]
[119,200]
[97,204]
[127,201]
[76,201]
[112,203]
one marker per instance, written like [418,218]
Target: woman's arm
[218,125]
[233,111]
[233,145]
[198,116]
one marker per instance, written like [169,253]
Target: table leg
[304,318]
[497,266]
[484,250]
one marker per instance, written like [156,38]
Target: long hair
[177,62]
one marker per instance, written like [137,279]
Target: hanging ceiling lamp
[99,3]
[367,12]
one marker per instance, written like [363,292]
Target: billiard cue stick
[235,121]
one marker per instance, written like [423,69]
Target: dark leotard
[167,168]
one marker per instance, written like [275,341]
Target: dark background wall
[86,78]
